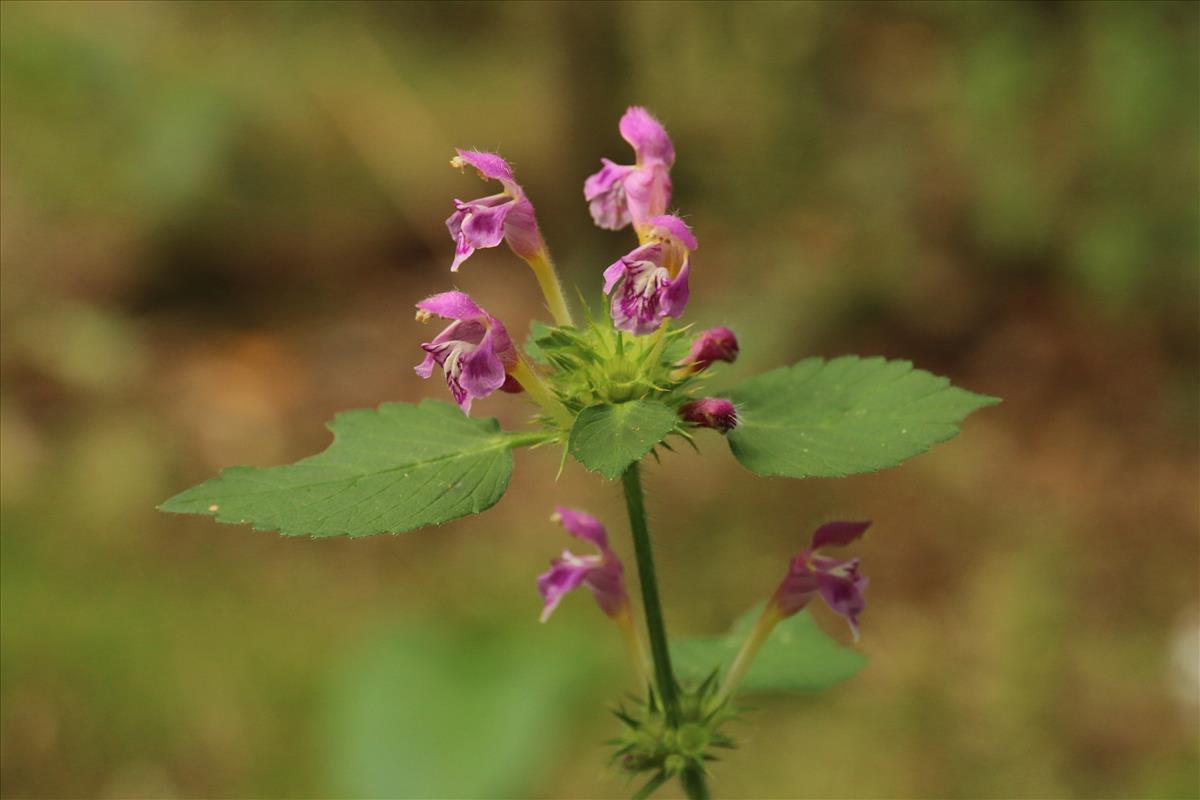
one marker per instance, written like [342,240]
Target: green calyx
[648,743]
[597,365]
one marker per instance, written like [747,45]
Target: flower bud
[717,413]
[714,344]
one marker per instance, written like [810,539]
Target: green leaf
[388,470]
[842,417]
[427,709]
[607,439]
[537,330]
[799,656]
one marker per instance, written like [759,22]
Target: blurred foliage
[797,658]
[432,711]
[216,217]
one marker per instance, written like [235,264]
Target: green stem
[692,778]
[664,677]
[694,784]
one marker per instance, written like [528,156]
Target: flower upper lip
[647,136]
[619,194]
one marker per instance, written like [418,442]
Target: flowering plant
[611,391]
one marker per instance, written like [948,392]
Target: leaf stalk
[541,393]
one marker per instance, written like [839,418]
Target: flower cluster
[647,287]
[648,742]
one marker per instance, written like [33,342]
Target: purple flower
[710,412]
[838,582]
[485,222]
[714,344]
[653,277]
[602,573]
[474,350]
[619,194]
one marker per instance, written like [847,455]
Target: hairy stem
[657,630]
[692,778]
[547,278]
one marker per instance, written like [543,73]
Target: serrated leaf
[798,657]
[845,416]
[609,438]
[388,470]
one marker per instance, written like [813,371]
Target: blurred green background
[216,218]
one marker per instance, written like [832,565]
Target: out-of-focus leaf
[799,656]
[424,712]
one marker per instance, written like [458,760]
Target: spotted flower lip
[668,228]
[837,582]
[602,573]
[620,194]
[474,350]
[652,278]
[717,413]
[488,221]
[714,344]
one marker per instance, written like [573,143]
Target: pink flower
[653,278]
[837,582]
[619,194]
[710,412]
[474,350]
[601,573]
[486,222]
[714,344]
